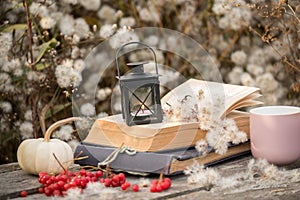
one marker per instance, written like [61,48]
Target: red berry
[107,182]
[158,188]
[135,187]
[67,186]
[23,193]
[165,185]
[121,176]
[41,190]
[90,174]
[47,191]
[102,180]
[82,172]
[123,187]
[83,184]
[116,178]
[99,174]
[153,188]
[127,184]
[56,193]
[154,182]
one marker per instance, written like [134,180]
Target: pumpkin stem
[58,124]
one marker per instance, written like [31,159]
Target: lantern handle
[140,43]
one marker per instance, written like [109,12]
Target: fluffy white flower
[81,28]
[235,75]
[267,83]
[239,57]
[108,14]
[79,65]
[220,8]
[65,132]
[5,43]
[73,2]
[103,93]
[47,23]
[26,130]
[254,69]
[85,123]
[90,4]
[127,21]
[73,144]
[107,30]
[5,106]
[38,9]
[75,78]
[152,40]
[101,115]
[28,115]
[202,147]
[88,109]
[123,36]
[12,65]
[149,14]
[247,80]
[75,52]
[197,174]
[66,25]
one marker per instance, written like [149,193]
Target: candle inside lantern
[143,112]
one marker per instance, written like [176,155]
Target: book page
[229,96]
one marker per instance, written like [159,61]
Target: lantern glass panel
[141,102]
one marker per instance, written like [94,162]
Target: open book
[112,131]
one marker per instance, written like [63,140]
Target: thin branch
[59,162]
[29,35]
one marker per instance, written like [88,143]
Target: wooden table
[13,180]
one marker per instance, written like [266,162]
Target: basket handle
[130,43]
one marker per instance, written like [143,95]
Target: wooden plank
[15,180]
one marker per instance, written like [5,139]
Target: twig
[29,33]
[59,162]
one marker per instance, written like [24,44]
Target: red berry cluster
[59,184]
[159,185]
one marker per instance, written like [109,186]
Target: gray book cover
[142,162]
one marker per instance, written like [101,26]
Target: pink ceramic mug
[275,133]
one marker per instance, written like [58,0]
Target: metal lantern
[140,96]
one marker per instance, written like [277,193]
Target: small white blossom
[90,4]
[127,21]
[88,109]
[26,130]
[254,69]
[65,132]
[202,147]
[103,93]
[247,80]
[79,65]
[28,115]
[108,14]
[235,75]
[267,83]
[5,43]
[123,36]
[81,28]
[239,57]
[107,30]
[66,25]
[5,106]
[47,23]
[73,144]
[149,14]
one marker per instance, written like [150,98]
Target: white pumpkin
[36,155]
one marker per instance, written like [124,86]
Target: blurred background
[48,51]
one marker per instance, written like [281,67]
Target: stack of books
[167,147]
